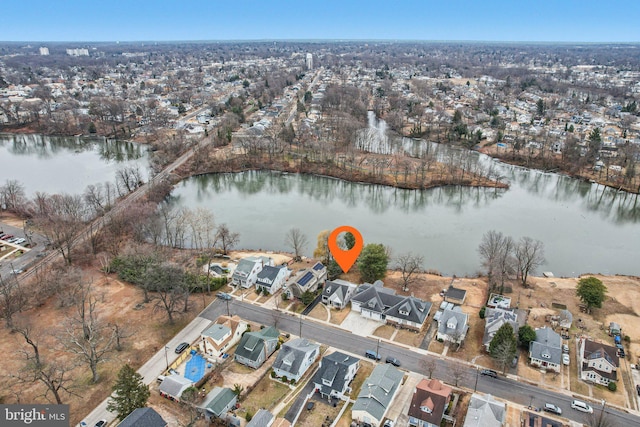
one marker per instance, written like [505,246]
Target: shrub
[612,386]
[273,373]
[482,311]
[248,416]
[627,338]
[285,379]
[293,381]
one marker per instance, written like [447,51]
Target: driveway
[359,325]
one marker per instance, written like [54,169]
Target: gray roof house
[376,395]
[371,301]
[218,402]
[143,417]
[173,385]
[453,325]
[337,293]
[494,319]
[272,278]
[222,335]
[262,418]
[308,279]
[410,313]
[485,411]
[295,357]
[455,295]
[335,373]
[545,351]
[247,270]
[255,347]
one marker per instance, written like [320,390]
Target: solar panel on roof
[318,266]
[305,279]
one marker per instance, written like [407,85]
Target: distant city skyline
[206,20]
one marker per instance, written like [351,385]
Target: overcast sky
[474,20]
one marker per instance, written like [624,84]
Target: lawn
[384,331]
[362,374]
[345,419]
[266,394]
[319,312]
[322,414]
[337,316]
[436,346]
[408,337]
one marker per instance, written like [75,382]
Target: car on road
[181,347]
[388,423]
[17,271]
[101,423]
[7,237]
[565,359]
[372,355]
[224,296]
[550,407]
[489,373]
[581,406]
[565,348]
[393,361]
[638,389]
[20,241]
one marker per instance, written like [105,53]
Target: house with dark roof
[335,373]
[372,300]
[143,417]
[256,347]
[271,278]
[221,335]
[599,362]
[546,350]
[494,319]
[307,280]
[485,411]
[453,325]
[295,357]
[218,402]
[262,418]
[429,401]
[337,293]
[455,295]
[409,313]
[376,394]
[173,386]
[247,270]
[532,419]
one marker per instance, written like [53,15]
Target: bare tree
[226,238]
[12,196]
[297,241]
[599,419]
[53,375]
[409,264]
[12,299]
[429,365]
[167,281]
[529,256]
[86,335]
[128,179]
[457,370]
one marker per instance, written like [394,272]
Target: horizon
[501,21]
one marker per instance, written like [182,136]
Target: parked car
[372,355]
[393,361]
[101,423]
[565,348]
[7,237]
[310,405]
[181,347]
[638,389]
[565,359]
[224,296]
[489,373]
[550,407]
[581,406]
[20,241]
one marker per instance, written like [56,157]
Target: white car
[581,406]
[565,359]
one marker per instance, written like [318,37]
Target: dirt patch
[384,331]
[266,394]
[436,346]
[319,312]
[411,338]
[321,414]
[337,316]
[278,257]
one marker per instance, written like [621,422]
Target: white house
[222,335]
[600,362]
[295,357]
[246,273]
[376,395]
[453,325]
[545,351]
[272,278]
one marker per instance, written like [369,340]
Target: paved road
[509,389]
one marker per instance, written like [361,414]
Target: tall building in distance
[44,51]
[78,52]
[309,61]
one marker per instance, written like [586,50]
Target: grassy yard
[362,374]
[408,337]
[338,316]
[239,368]
[384,331]
[319,312]
[345,419]
[266,394]
[436,346]
[322,414]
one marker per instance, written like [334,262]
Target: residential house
[308,280]
[222,335]
[173,385]
[599,362]
[429,401]
[409,312]
[218,402]
[455,295]
[246,272]
[371,301]
[295,357]
[494,319]
[546,350]
[485,411]
[143,417]
[337,293]
[262,418]
[335,373]
[453,325]
[256,347]
[271,278]
[376,395]
[532,419]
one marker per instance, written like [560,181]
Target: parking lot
[19,250]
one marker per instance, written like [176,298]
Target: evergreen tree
[129,393]
[526,334]
[503,346]
[372,262]
[591,292]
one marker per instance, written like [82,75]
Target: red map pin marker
[345,259]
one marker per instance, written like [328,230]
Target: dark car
[181,347]
[638,389]
[489,373]
[372,355]
[224,296]
[310,405]
[101,423]
[393,361]
[550,407]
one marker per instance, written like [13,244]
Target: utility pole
[378,348]
[228,312]
[300,334]
[475,387]
[166,359]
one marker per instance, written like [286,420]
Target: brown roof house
[221,335]
[599,362]
[430,399]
